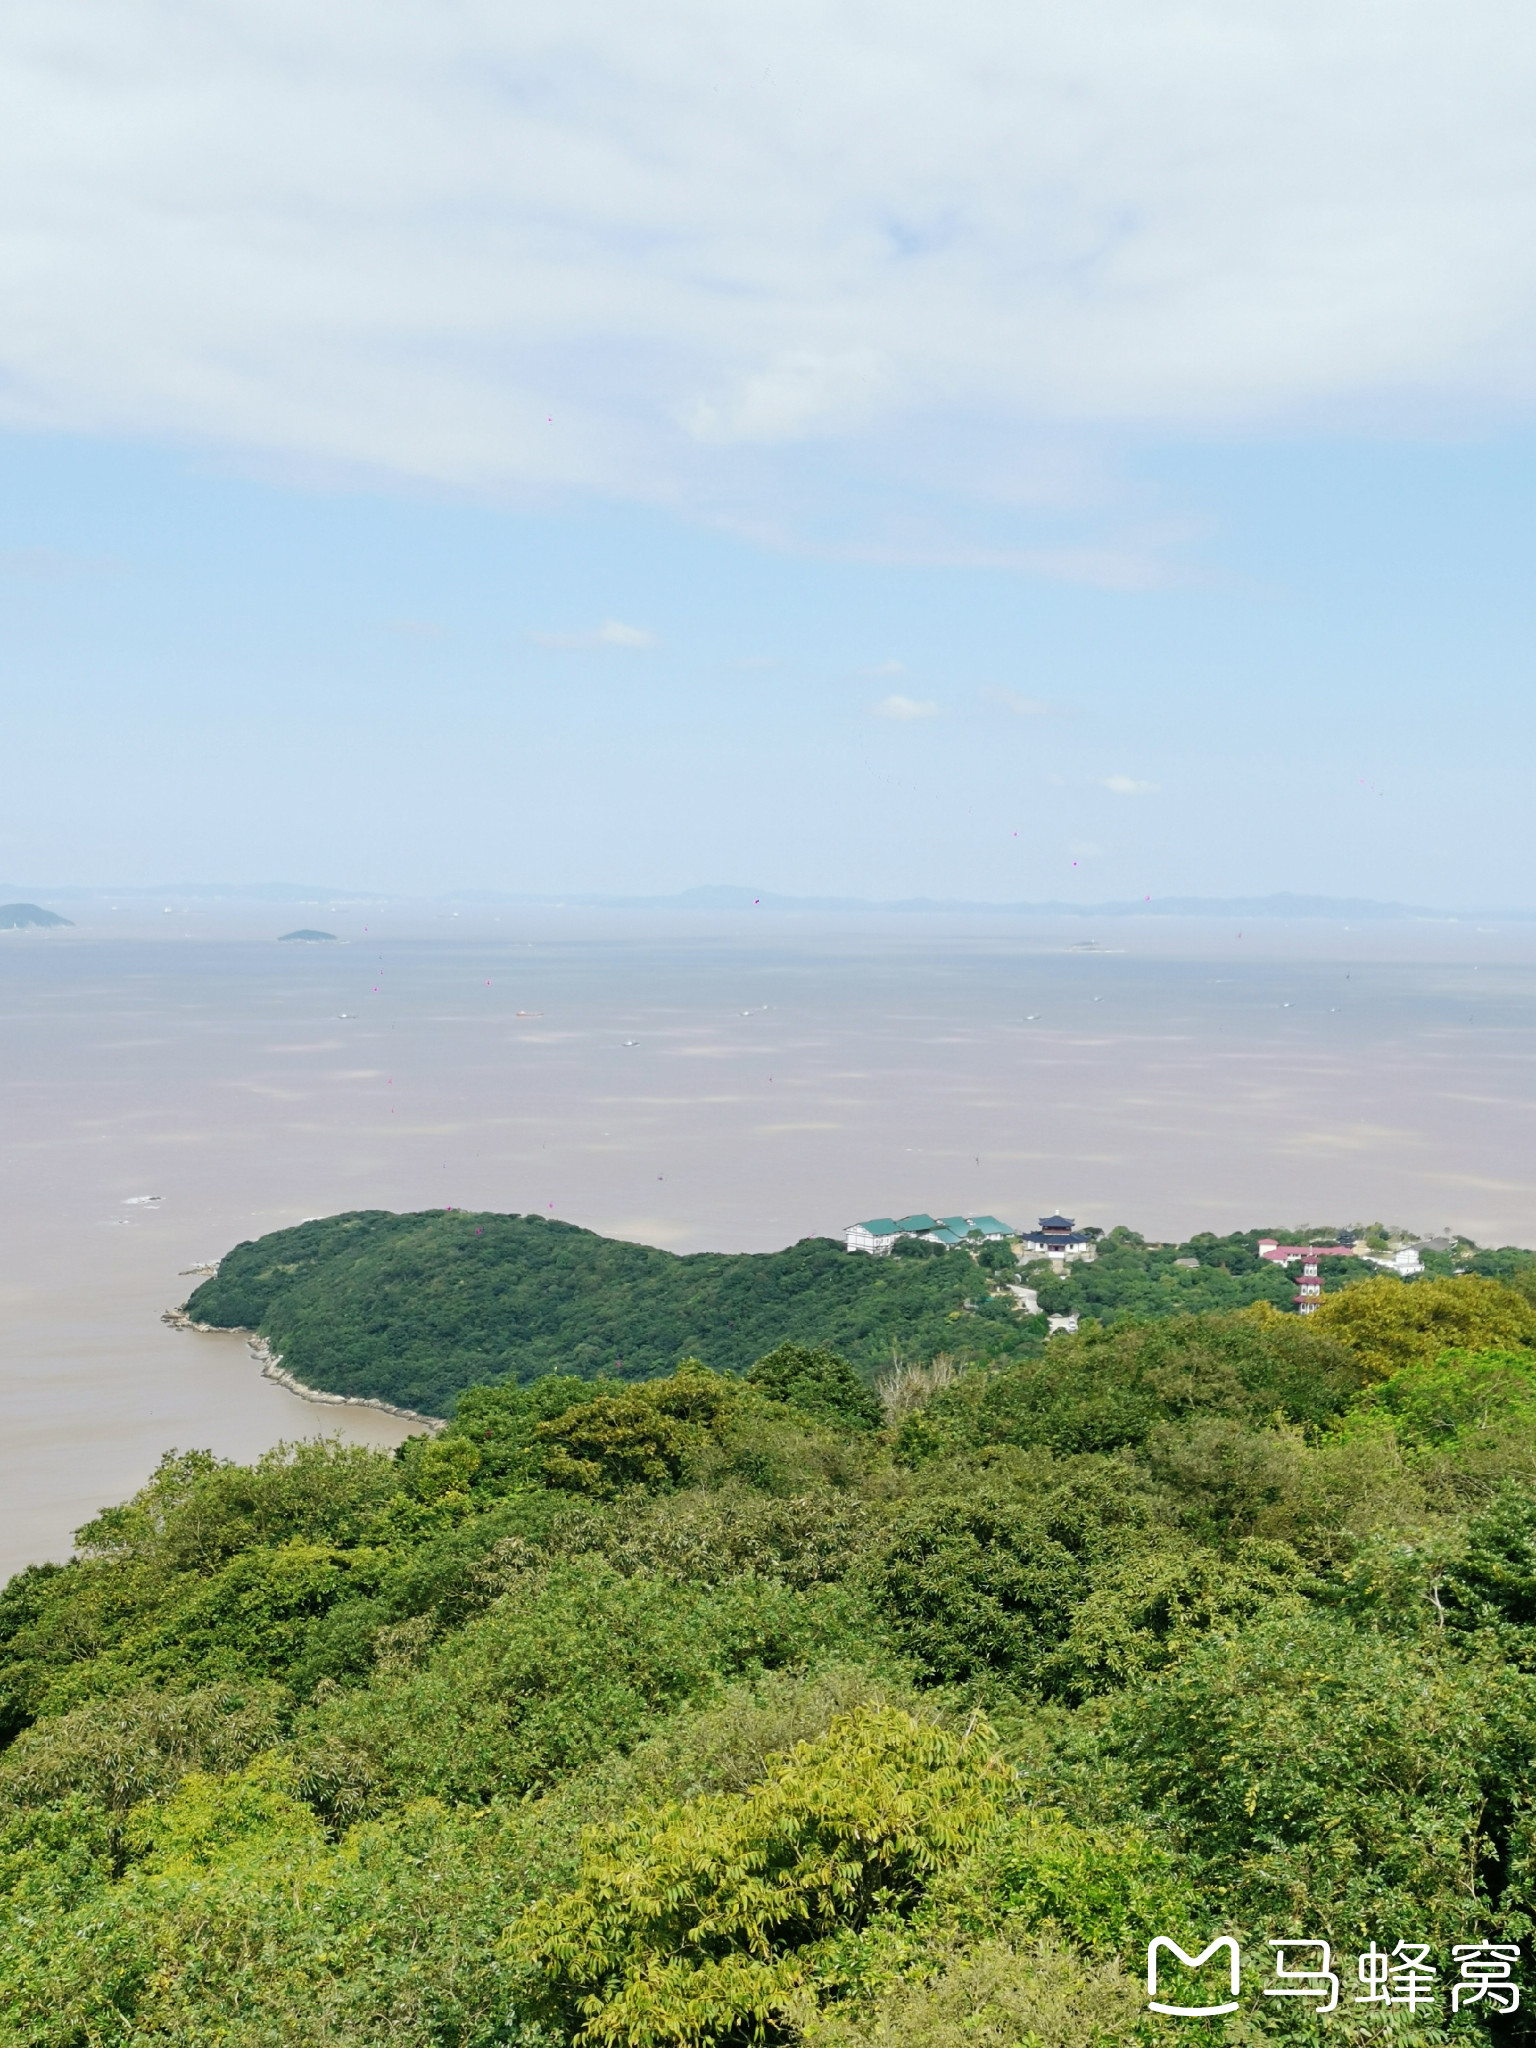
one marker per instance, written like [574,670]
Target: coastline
[271,1363]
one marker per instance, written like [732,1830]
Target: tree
[1310,1772]
[977,1586]
[819,1383]
[1494,1585]
[1389,1326]
[1447,1402]
[613,1445]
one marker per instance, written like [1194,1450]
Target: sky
[1003,453]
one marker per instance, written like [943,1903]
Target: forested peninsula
[720,1707]
[412,1309]
[415,1308]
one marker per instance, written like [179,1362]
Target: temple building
[1059,1238]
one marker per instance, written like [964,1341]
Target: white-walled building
[880,1233]
[1059,1239]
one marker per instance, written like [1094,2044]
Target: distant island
[15,917]
[308,938]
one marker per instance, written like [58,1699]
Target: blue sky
[804,447]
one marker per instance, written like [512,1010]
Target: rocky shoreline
[271,1364]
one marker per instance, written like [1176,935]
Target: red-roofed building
[1309,1289]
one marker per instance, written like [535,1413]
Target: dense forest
[413,1309]
[711,1708]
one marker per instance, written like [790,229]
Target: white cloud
[1127,785]
[1020,705]
[610,634]
[905,707]
[630,249]
[803,392]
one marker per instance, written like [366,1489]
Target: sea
[177,1078]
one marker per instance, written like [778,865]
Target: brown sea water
[698,1082]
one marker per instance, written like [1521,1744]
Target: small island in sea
[15,917]
[308,938]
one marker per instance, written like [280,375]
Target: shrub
[615,1444]
[1493,1585]
[978,1586]
[909,1386]
[119,1752]
[243,1926]
[502,1422]
[196,1512]
[707,1538]
[572,1662]
[1105,1389]
[1310,1773]
[1447,1402]
[1152,1607]
[997,1995]
[720,1918]
[644,1439]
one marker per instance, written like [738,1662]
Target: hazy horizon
[712,896]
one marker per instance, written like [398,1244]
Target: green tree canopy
[1389,1326]
[819,1383]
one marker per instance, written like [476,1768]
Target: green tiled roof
[947,1229]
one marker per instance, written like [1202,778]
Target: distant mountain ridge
[1283,904]
[717,896]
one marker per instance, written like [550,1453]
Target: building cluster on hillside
[881,1233]
[1309,1289]
[1057,1238]
[1406,1261]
